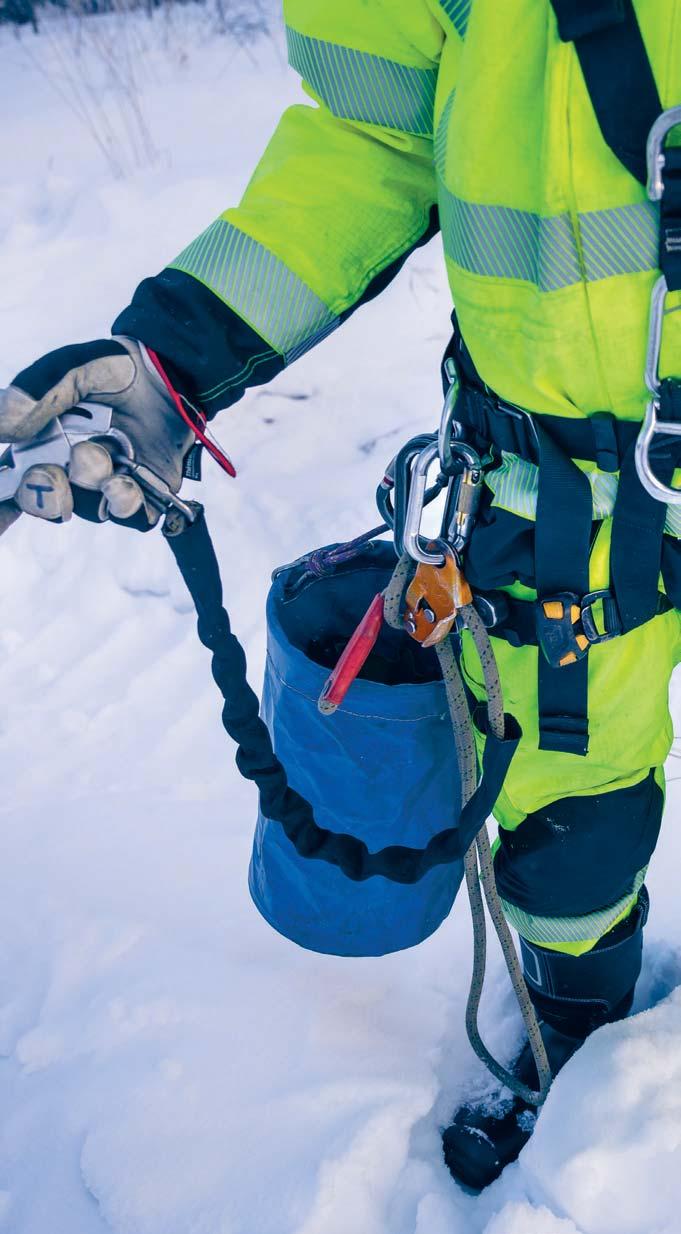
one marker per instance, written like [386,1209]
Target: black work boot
[573,996]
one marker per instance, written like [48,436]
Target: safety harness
[563,622]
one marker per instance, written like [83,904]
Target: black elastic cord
[256,760]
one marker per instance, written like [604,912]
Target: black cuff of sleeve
[210,353]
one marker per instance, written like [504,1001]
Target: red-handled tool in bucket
[353,658]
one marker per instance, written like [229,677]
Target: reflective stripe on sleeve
[259,287]
[355,85]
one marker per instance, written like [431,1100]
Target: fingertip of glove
[45,493]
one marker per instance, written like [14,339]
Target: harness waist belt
[600,438]
[516,621]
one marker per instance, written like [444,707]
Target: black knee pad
[577,994]
[581,853]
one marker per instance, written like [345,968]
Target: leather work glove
[118,373]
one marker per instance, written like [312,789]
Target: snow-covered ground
[169,1065]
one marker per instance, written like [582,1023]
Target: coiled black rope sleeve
[255,758]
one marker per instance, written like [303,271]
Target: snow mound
[607,1149]
[521,1218]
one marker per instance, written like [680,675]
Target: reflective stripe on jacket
[477,106]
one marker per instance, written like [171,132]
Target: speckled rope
[478,861]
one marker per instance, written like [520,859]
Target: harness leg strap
[639,520]
[637,530]
[562,543]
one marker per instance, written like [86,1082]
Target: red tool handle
[353,658]
[198,425]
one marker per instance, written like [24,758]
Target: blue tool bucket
[383,768]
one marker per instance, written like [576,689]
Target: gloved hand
[119,373]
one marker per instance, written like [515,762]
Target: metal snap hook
[652,425]
[463,497]
[655,150]
[463,500]
[650,428]
[411,537]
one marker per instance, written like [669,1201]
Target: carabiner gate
[463,498]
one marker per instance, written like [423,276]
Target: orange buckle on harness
[566,625]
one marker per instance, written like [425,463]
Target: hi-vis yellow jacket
[470,114]
[475,106]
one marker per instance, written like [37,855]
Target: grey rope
[478,861]
[394,592]
[480,852]
[457,702]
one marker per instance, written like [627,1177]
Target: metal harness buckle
[567,627]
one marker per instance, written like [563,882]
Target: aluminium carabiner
[393,493]
[411,535]
[461,506]
[463,498]
[652,424]
[655,150]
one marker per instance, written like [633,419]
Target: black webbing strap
[637,530]
[670,219]
[562,541]
[638,521]
[515,620]
[621,85]
[617,72]
[256,760]
[599,438]
[622,88]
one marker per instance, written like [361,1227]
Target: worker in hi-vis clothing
[499,124]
